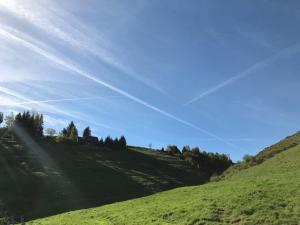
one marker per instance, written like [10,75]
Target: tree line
[70,134]
[207,161]
[33,125]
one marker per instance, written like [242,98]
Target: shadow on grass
[82,177]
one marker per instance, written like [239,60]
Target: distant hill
[265,192]
[46,178]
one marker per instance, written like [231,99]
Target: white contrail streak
[48,101]
[85,74]
[249,71]
[57,26]
[48,107]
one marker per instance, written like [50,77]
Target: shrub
[248,158]
[62,139]
[173,150]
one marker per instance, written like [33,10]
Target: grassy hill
[269,152]
[47,178]
[265,193]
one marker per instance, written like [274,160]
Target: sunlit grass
[265,194]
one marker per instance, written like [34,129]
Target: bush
[248,158]
[63,139]
[173,150]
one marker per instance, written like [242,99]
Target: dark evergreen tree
[186,149]
[64,132]
[86,134]
[32,124]
[109,142]
[38,121]
[122,143]
[1,117]
[116,145]
[69,128]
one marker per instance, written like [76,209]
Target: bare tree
[50,132]
[9,120]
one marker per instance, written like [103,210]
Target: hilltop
[267,192]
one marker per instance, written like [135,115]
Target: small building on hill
[88,140]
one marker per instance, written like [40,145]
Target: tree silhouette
[1,117]
[64,132]
[109,142]
[74,134]
[86,134]
[69,128]
[173,150]
[122,143]
[32,123]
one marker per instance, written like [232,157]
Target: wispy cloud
[66,65]
[55,24]
[249,71]
[40,104]
[48,101]
[44,106]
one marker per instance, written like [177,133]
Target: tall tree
[186,148]
[69,128]
[38,121]
[74,134]
[123,143]
[109,142]
[1,117]
[64,132]
[86,133]
[31,123]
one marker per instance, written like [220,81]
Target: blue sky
[221,76]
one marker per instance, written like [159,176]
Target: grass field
[49,178]
[268,193]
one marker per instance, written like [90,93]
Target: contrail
[48,101]
[286,52]
[85,74]
[17,95]
[49,107]
[67,33]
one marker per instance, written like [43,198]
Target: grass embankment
[267,193]
[48,178]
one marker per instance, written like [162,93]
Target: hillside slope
[48,178]
[268,193]
[269,152]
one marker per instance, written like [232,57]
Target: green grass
[268,193]
[269,152]
[49,178]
